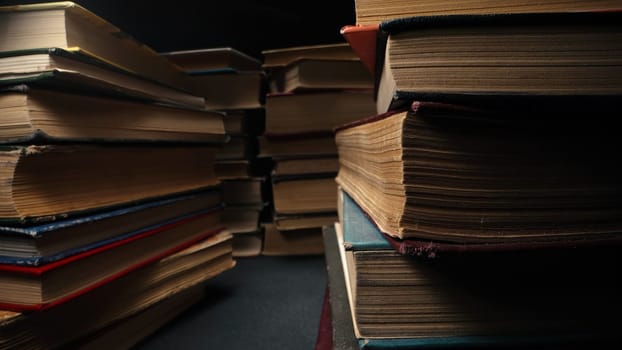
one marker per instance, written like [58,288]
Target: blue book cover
[359,232]
[26,245]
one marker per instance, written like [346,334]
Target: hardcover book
[522,176]
[40,287]
[515,55]
[292,242]
[40,243]
[370,12]
[66,25]
[498,299]
[170,276]
[217,59]
[316,112]
[52,180]
[44,116]
[74,70]
[308,74]
[216,75]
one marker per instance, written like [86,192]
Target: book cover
[555,66]
[54,176]
[92,223]
[362,40]
[386,299]
[119,299]
[447,164]
[50,116]
[103,264]
[67,25]
[342,334]
[74,70]
[213,60]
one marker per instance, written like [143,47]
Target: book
[306,165]
[314,193]
[40,243]
[52,180]
[129,331]
[523,176]
[223,87]
[294,146]
[120,298]
[45,116]
[237,148]
[292,242]
[69,26]
[309,74]
[317,112]
[76,71]
[228,90]
[248,244]
[242,219]
[217,59]
[534,54]
[282,57]
[370,12]
[527,299]
[39,287]
[342,329]
[244,122]
[242,168]
[284,222]
[250,191]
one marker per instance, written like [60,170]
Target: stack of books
[471,204]
[312,89]
[110,208]
[233,84]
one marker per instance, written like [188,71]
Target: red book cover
[362,40]
[165,240]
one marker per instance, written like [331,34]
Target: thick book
[522,176]
[503,55]
[127,296]
[218,76]
[313,74]
[315,112]
[46,116]
[305,165]
[41,243]
[494,299]
[54,283]
[292,242]
[304,193]
[130,331]
[228,90]
[297,146]
[52,180]
[217,59]
[74,70]
[66,25]
[372,12]
[286,222]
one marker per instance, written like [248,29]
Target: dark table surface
[263,303]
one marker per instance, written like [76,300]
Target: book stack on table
[110,206]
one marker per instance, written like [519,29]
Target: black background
[247,25]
